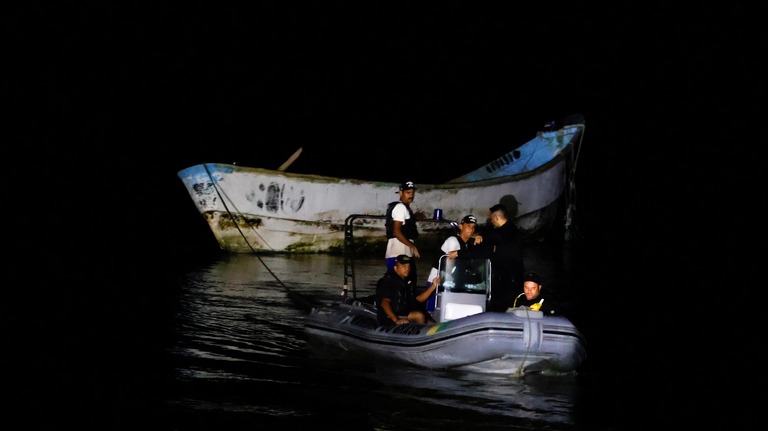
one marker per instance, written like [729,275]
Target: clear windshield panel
[464,275]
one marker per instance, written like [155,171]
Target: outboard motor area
[465,286]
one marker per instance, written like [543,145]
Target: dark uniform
[400,294]
[547,307]
[503,246]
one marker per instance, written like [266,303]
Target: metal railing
[349,242]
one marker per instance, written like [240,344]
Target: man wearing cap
[531,296]
[502,245]
[396,303]
[458,241]
[401,228]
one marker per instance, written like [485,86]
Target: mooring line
[297,297]
[222,195]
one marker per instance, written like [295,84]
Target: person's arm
[398,232]
[423,296]
[386,305]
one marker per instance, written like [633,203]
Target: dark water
[223,348]
[217,342]
[239,354]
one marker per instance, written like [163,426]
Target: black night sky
[106,102]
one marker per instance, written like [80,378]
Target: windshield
[464,275]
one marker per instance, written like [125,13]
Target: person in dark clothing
[396,302]
[532,297]
[458,241]
[502,245]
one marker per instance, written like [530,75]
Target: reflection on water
[536,397]
[240,357]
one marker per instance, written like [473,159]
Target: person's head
[498,215]
[467,226]
[407,192]
[403,265]
[532,284]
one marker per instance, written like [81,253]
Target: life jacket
[463,246]
[409,227]
[404,301]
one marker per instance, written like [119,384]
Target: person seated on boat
[462,240]
[531,296]
[401,230]
[396,303]
[503,246]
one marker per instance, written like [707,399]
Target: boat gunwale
[566,150]
[405,338]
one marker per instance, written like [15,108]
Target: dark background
[106,103]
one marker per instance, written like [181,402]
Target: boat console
[465,286]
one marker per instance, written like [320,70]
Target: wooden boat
[260,210]
[464,335]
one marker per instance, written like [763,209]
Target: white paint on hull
[289,212]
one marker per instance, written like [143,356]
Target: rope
[570,197]
[514,304]
[222,195]
[301,299]
[520,371]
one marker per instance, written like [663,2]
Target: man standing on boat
[401,229]
[502,245]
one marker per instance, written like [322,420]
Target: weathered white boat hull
[514,342]
[261,210]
